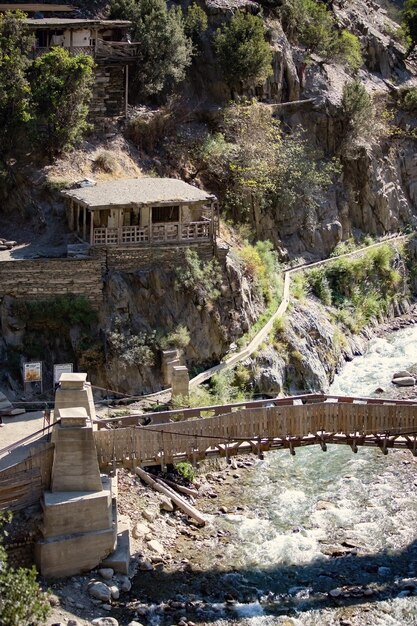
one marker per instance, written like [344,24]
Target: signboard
[32,372]
[61,368]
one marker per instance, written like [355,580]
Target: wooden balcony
[38,52]
[156,234]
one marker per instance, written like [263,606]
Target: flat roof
[137,191]
[60,22]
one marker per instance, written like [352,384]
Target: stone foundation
[37,279]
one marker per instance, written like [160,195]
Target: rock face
[147,301]
[377,188]
[306,355]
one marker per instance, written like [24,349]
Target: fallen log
[170,493]
[180,488]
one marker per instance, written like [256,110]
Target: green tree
[21,600]
[164,52]
[358,112]
[312,25]
[409,16]
[195,23]
[15,45]
[258,168]
[61,90]
[243,53]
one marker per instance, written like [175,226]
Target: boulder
[401,374]
[106,573]
[166,504]
[124,583]
[115,592]
[105,621]
[155,546]
[404,381]
[140,530]
[335,593]
[150,515]
[100,591]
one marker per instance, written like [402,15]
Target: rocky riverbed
[329,572]
[316,539]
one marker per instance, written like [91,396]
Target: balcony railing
[113,50]
[38,52]
[157,233]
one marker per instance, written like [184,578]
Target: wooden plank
[37,7]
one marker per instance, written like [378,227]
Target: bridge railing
[163,417]
[259,427]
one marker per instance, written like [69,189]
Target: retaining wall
[129,259]
[33,279]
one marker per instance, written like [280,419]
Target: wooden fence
[22,484]
[259,429]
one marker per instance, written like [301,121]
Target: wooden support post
[162,453]
[71,215]
[77,218]
[84,222]
[91,228]
[126,90]
[71,39]
[260,454]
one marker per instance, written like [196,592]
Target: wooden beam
[37,7]
[91,228]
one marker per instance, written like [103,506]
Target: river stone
[404,381]
[150,515]
[134,623]
[384,571]
[335,593]
[166,504]
[105,621]
[115,592]
[155,546]
[100,591]
[106,573]
[140,530]
[124,583]
[401,374]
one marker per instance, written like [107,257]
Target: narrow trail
[231,361]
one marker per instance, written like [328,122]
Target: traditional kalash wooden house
[142,212]
[99,38]
[107,41]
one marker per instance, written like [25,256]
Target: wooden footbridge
[199,433]
[256,427]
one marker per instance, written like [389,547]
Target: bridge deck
[255,429]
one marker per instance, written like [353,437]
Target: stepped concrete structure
[79,512]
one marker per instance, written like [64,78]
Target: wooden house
[142,212]
[98,38]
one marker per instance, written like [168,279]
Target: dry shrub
[106,162]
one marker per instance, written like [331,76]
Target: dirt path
[14,429]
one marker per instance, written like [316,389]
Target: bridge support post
[180,382]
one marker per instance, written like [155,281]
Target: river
[322,522]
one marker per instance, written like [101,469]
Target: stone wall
[44,278]
[129,259]
[108,92]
